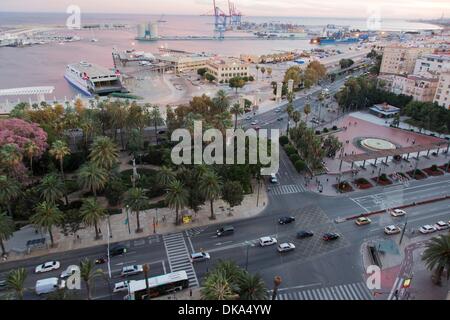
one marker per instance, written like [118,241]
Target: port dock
[210,38]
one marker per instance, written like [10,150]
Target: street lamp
[246,259]
[276,283]
[128,219]
[404,229]
[146,269]
[107,254]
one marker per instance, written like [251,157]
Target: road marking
[360,205]
[394,287]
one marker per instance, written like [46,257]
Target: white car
[47,266]
[398,213]
[131,270]
[285,247]
[69,271]
[200,256]
[121,286]
[254,123]
[427,229]
[273,178]
[267,241]
[441,225]
[392,229]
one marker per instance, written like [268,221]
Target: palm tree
[92,214]
[296,116]
[10,156]
[165,176]
[437,257]
[263,70]
[92,177]
[88,275]
[51,188]
[30,149]
[177,197]
[9,190]
[6,230]
[289,110]
[210,186]
[257,72]
[136,199]
[47,215]
[236,110]
[217,287]
[269,72]
[59,150]
[104,153]
[16,282]
[252,287]
[156,119]
[307,111]
[221,100]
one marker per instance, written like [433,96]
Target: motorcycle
[100,261]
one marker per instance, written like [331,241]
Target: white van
[273,178]
[49,285]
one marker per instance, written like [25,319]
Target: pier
[209,38]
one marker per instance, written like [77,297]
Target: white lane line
[394,287]
[301,286]
[360,205]
[190,244]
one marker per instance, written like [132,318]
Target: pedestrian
[190,292]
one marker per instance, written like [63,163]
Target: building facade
[432,65]
[184,63]
[225,69]
[442,96]
[400,60]
[420,88]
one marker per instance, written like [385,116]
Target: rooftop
[92,70]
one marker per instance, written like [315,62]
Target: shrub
[318,132]
[335,128]
[294,157]
[300,165]
[325,130]
[284,140]
[114,192]
[434,167]
[289,149]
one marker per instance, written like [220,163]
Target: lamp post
[128,219]
[404,229]
[146,269]
[246,259]
[108,257]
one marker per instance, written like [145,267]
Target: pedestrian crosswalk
[178,256]
[286,189]
[194,231]
[352,291]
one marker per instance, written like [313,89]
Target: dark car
[280,119]
[118,250]
[330,236]
[225,231]
[286,220]
[304,234]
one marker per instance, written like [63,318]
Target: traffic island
[343,187]
[433,171]
[362,184]
[445,168]
[417,174]
[383,180]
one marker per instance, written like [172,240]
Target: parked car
[427,229]
[254,123]
[441,225]
[267,241]
[304,234]
[285,247]
[363,221]
[225,231]
[131,270]
[286,220]
[277,110]
[331,236]
[273,178]
[118,250]
[398,212]
[47,266]
[69,271]
[199,256]
[49,285]
[392,229]
[121,286]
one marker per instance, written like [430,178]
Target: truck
[49,285]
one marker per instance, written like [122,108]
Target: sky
[302,8]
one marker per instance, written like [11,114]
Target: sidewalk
[120,231]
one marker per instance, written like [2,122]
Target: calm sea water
[45,64]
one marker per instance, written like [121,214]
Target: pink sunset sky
[303,8]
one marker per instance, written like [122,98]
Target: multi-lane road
[314,270]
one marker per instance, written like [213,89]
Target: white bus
[160,285]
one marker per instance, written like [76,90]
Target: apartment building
[400,60]
[442,96]
[420,88]
[225,69]
[432,65]
[184,63]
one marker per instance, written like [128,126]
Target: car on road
[286,220]
[132,270]
[285,247]
[3,285]
[267,241]
[392,229]
[47,266]
[427,229]
[254,123]
[280,119]
[118,250]
[331,236]
[304,234]
[398,212]
[49,285]
[121,286]
[315,121]
[441,225]
[248,118]
[69,271]
[277,110]
[225,231]
[362,221]
[200,256]
[273,178]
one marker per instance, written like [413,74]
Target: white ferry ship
[92,79]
